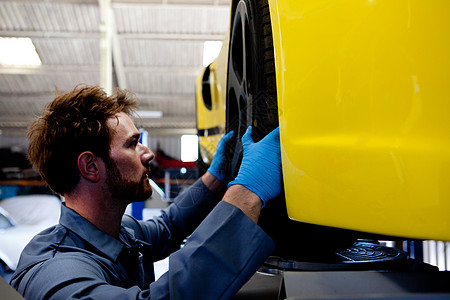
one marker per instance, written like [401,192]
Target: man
[87,149]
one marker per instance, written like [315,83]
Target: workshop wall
[171,145]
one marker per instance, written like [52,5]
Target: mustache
[149,169]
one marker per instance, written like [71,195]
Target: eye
[134,143]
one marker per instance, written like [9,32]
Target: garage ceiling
[157,52]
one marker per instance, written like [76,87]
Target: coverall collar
[91,234]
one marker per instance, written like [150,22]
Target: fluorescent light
[18,52]
[211,50]
[149,114]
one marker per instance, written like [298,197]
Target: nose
[147,154]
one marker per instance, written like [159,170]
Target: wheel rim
[240,75]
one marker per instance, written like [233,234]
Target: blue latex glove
[260,170]
[218,164]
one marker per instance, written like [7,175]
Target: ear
[88,164]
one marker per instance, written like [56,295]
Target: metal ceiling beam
[174,2]
[165,97]
[48,34]
[14,124]
[60,1]
[95,68]
[14,132]
[119,69]
[173,36]
[45,97]
[106,63]
[97,35]
[146,2]
[111,54]
[168,70]
[47,69]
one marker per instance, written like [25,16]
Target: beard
[126,189]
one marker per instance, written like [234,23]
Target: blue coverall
[74,259]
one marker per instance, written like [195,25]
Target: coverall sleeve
[218,259]
[220,255]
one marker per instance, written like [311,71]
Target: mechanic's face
[130,162]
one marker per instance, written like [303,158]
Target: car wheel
[251,83]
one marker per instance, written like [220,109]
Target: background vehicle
[21,218]
[210,109]
[360,92]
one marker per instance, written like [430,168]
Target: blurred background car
[21,218]
[210,111]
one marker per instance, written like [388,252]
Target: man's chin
[149,193]
[146,194]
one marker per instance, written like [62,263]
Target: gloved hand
[218,164]
[260,170]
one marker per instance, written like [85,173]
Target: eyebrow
[134,137]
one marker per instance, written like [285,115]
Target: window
[189,147]
[211,50]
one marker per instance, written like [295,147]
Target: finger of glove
[247,138]
[227,137]
[272,140]
[274,135]
[260,170]
[264,163]
[223,141]
[268,149]
[221,146]
[217,167]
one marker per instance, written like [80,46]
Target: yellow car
[210,111]
[361,92]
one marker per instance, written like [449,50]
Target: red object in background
[166,162]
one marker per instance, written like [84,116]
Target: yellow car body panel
[214,116]
[364,109]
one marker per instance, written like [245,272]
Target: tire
[252,100]
[251,82]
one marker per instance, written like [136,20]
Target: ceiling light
[149,114]
[18,52]
[211,50]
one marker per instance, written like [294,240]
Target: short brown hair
[72,123]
